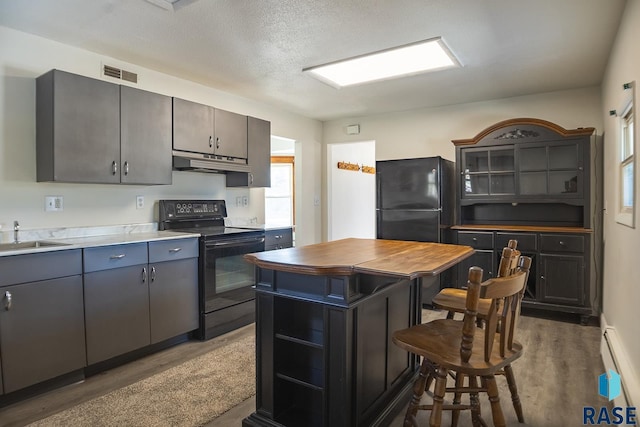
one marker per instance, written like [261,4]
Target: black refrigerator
[415,201]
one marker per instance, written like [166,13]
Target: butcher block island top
[395,258]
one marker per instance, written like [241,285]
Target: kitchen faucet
[16,229]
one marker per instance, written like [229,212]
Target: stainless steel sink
[35,244]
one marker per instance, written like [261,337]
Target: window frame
[627,137]
[288,160]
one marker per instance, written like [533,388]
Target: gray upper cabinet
[259,156]
[145,134]
[92,131]
[203,129]
[230,134]
[192,126]
[78,129]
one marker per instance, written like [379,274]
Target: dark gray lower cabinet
[42,332]
[117,311]
[139,294]
[278,239]
[173,298]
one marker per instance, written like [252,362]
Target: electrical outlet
[139,202]
[245,201]
[53,203]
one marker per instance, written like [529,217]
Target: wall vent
[117,73]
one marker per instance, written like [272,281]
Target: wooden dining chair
[462,348]
[453,300]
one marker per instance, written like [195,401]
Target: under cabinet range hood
[211,163]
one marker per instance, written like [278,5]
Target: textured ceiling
[257,48]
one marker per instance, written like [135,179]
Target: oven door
[227,279]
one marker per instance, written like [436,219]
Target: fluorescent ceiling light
[415,58]
[171,5]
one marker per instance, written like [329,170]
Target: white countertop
[105,240]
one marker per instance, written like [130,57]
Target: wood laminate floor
[556,377]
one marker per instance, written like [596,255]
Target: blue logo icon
[609,385]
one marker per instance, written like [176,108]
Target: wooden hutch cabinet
[534,181]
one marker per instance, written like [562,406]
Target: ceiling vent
[119,74]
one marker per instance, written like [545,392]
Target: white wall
[621,297]
[23,57]
[352,194]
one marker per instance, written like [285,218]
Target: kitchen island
[324,318]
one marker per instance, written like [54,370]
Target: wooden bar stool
[448,345]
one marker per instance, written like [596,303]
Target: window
[279,200]
[626,196]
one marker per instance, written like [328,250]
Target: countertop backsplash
[26,234]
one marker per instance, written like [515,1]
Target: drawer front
[476,240]
[526,241]
[16,269]
[114,256]
[168,250]
[278,238]
[561,243]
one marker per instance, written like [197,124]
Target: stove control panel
[191,209]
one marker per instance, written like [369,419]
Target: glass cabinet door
[550,169]
[488,172]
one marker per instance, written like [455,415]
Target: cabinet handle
[561,243]
[217,142]
[210,142]
[9,301]
[174,250]
[250,178]
[475,239]
[278,236]
[144,274]
[119,256]
[126,168]
[114,168]
[541,277]
[153,274]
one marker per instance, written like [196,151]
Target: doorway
[351,191]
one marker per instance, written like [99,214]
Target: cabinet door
[192,126]
[488,172]
[259,154]
[484,259]
[230,134]
[78,129]
[173,298]
[116,311]
[145,137]
[41,331]
[551,169]
[562,279]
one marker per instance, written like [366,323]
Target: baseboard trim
[614,357]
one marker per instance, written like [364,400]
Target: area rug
[190,394]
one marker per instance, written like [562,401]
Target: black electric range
[226,280]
